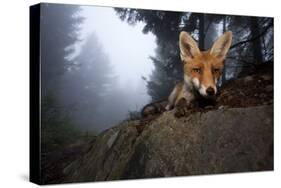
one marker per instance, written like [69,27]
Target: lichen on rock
[216,141]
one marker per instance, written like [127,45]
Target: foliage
[252,42]
[88,83]
[60,26]
[134,115]
[57,128]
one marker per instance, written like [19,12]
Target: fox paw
[182,108]
[180,112]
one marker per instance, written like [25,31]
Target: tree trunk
[223,78]
[256,45]
[202,31]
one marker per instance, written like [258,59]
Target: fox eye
[197,70]
[216,70]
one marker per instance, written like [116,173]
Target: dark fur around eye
[197,70]
[216,70]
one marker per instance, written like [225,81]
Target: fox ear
[222,45]
[188,47]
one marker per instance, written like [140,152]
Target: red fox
[202,69]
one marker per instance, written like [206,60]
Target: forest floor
[251,90]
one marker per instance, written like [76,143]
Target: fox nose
[210,91]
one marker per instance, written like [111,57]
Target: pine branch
[253,38]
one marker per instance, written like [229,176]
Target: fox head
[202,69]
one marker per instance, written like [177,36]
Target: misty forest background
[80,92]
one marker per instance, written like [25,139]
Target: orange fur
[202,69]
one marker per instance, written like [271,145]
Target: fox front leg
[183,107]
[172,98]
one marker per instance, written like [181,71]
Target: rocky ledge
[217,141]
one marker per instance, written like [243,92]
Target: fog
[128,51]
[103,82]
[100,65]
[126,46]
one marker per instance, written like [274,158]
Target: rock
[269,88]
[209,107]
[112,139]
[262,95]
[217,141]
[221,107]
[266,77]
[248,79]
